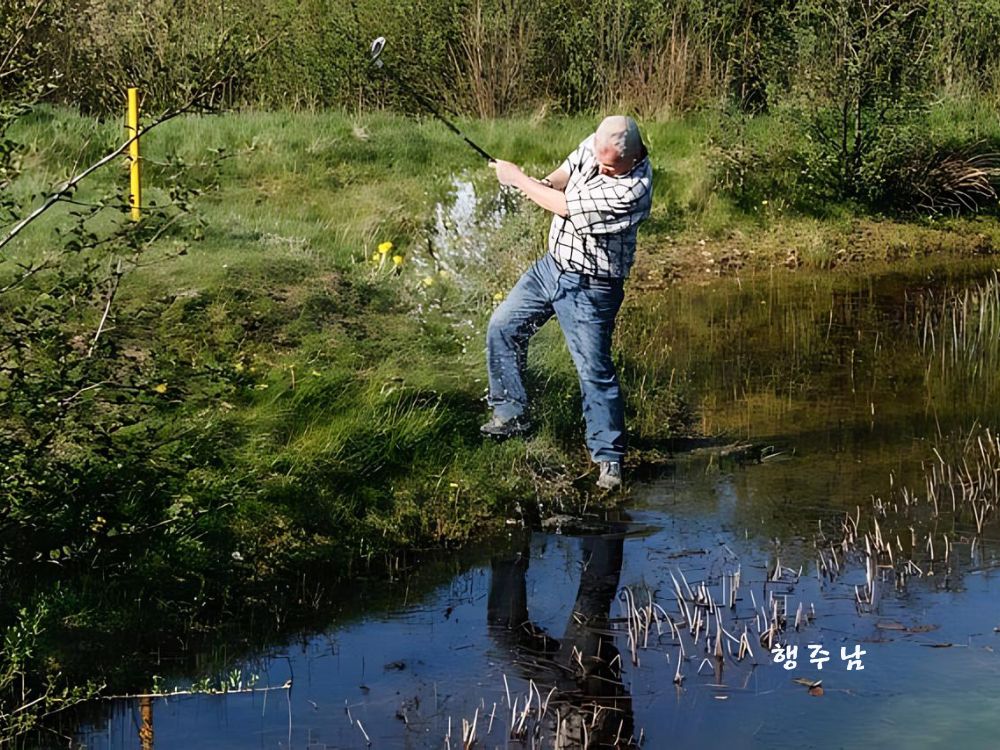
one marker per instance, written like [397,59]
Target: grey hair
[622,134]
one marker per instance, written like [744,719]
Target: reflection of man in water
[595,709]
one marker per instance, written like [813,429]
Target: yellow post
[135,194]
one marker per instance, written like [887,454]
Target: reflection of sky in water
[908,691]
[692,519]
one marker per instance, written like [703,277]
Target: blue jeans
[586,308]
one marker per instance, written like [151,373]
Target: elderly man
[597,197]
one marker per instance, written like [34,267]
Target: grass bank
[346,428]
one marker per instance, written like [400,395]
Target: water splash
[464,236]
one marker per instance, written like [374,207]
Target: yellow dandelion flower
[428,281]
[385,247]
[497,296]
[397,260]
[376,257]
[161,388]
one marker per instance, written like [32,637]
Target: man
[598,197]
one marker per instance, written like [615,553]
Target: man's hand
[509,173]
[549,198]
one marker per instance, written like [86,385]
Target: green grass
[282,284]
[361,387]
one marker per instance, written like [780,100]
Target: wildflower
[763,203]
[161,388]
[376,257]
[384,248]
[497,296]
[239,367]
[397,260]
[428,281]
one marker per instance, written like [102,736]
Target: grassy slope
[357,427]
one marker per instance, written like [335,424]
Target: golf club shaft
[448,124]
[422,100]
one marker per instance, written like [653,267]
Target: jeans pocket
[605,297]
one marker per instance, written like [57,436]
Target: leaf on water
[889,625]
[816,691]
[937,645]
[808,683]
[922,628]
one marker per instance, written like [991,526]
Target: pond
[843,509]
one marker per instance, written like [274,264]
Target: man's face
[609,162]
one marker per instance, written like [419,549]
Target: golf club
[376,53]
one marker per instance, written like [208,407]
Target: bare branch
[116,282]
[202,98]
[20,38]
[70,185]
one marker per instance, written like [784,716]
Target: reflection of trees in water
[594,708]
[765,357]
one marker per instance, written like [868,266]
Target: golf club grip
[479,150]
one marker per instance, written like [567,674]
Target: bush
[497,57]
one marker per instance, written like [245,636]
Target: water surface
[837,390]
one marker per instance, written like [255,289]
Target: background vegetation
[849,83]
[501,57]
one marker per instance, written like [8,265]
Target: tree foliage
[496,57]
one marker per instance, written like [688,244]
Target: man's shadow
[594,708]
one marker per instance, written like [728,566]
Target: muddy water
[828,397]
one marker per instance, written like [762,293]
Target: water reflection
[146,723]
[584,666]
[767,357]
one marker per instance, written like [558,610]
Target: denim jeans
[586,308]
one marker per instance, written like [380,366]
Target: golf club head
[376,51]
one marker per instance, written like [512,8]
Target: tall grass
[960,337]
[363,383]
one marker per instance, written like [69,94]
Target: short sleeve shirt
[597,238]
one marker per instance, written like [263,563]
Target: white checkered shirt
[598,236]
